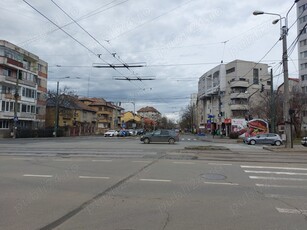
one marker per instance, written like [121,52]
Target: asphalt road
[112,183]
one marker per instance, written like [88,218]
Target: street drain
[213,176]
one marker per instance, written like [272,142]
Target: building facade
[302,52]
[227,92]
[149,112]
[23,81]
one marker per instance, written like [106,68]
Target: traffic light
[262,88]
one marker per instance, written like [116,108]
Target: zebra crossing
[281,183]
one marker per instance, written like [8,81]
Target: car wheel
[252,142]
[278,143]
[171,141]
[146,141]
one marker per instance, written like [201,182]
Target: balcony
[241,82]
[238,107]
[239,95]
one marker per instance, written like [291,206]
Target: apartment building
[149,112]
[302,51]
[227,91]
[108,114]
[23,79]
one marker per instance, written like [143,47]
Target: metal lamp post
[286,102]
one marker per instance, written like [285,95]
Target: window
[302,8]
[231,70]
[23,108]
[303,42]
[256,76]
[304,77]
[303,66]
[303,54]
[4,124]
[30,93]
[7,72]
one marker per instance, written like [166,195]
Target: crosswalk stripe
[220,183]
[36,175]
[292,211]
[283,196]
[280,186]
[275,178]
[93,177]
[278,173]
[155,180]
[271,167]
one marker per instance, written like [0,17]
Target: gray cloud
[160,33]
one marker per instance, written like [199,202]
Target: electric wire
[92,13]
[98,56]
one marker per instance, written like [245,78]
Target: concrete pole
[286,103]
[16,95]
[56,123]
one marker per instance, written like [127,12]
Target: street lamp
[56,123]
[286,102]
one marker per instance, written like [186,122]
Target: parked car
[111,133]
[123,133]
[140,132]
[169,136]
[268,138]
[304,141]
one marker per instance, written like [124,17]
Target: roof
[148,109]
[69,102]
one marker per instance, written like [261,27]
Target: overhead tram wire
[92,13]
[98,42]
[111,66]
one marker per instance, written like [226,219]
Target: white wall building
[302,51]
[226,92]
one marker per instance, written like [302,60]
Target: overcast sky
[178,40]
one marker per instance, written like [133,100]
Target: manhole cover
[213,176]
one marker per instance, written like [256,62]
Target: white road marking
[195,139]
[280,186]
[155,180]
[269,167]
[284,196]
[275,178]
[219,164]
[68,160]
[221,183]
[292,211]
[34,175]
[93,177]
[278,173]
[183,162]
[189,139]
[21,159]
[101,160]
[141,161]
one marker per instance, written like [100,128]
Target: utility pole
[16,96]
[272,105]
[56,123]
[220,109]
[284,32]
[286,101]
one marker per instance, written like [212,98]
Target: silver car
[268,138]
[304,141]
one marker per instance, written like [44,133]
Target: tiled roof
[148,109]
